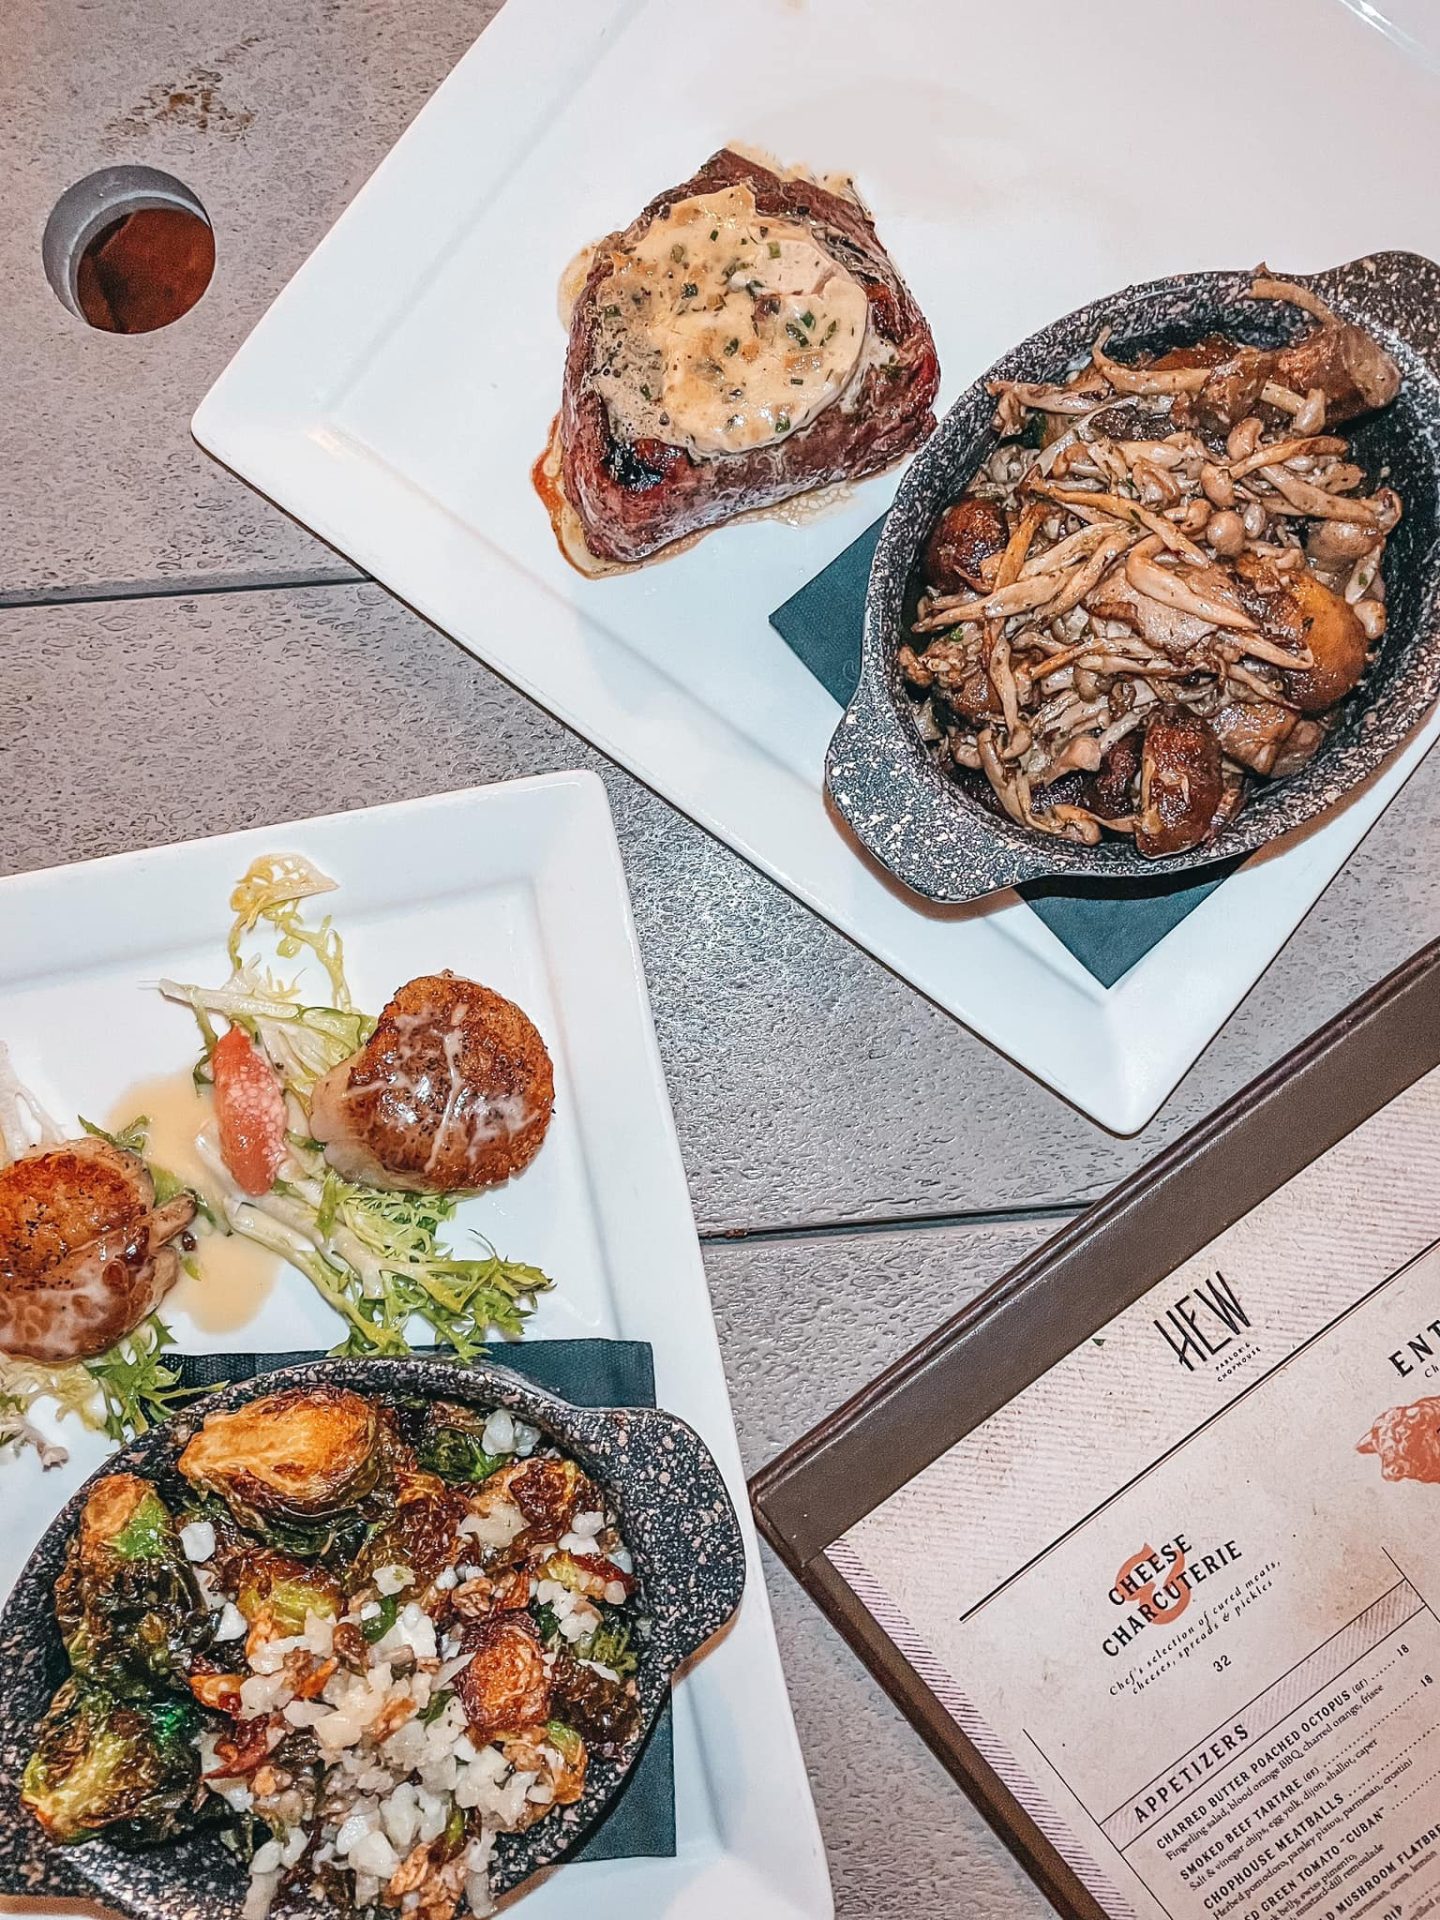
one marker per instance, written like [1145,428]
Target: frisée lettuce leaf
[121,1393]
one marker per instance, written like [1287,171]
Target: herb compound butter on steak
[744,340]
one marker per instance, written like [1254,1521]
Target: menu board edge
[1363,1058]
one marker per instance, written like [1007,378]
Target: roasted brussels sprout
[604,1711]
[506,1687]
[551,1492]
[129,1610]
[567,1781]
[276,1587]
[548,1493]
[421,1532]
[609,1646]
[292,1465]
[590,1574]
[450,1443]
[101,1763]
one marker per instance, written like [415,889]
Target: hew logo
[1203,1323]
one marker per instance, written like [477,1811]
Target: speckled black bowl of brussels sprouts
[326,1516]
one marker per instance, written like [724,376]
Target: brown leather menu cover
[1145,1539]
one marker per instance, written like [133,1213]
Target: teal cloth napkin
[640,1823]
[1107,924]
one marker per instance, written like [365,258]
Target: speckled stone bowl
[678,1522]
[944,838]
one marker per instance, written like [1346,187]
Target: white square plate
[519,886]
[1019,160]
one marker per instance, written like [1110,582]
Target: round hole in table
[128,249]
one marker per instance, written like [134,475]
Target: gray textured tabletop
[179,658]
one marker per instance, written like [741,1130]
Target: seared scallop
[453,1091]
[85,1253]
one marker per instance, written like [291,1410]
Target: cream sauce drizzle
[572,283]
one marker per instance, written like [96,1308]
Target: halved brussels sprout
[505,1689]
[586,1574]
[547,1493]
[101,1763]
[277,1587]
[450,1444]
[605,1712]
[129,1610]
[292,1464]
[568,1781]
[421,1533]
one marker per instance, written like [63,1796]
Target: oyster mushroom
[1351,369]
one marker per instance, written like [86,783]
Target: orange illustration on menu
[1407,1442]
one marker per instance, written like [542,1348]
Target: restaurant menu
[1183,1592]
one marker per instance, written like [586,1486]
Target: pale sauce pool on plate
[235,1274]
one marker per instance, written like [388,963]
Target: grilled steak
[744,340]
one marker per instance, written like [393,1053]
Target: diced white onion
[231,1624]
[498,1527]
[401,1815]
[336,1730]
[353,1830]
[374,1854]
[198,1540]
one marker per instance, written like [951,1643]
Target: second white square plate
[519,886]
[1019,160]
